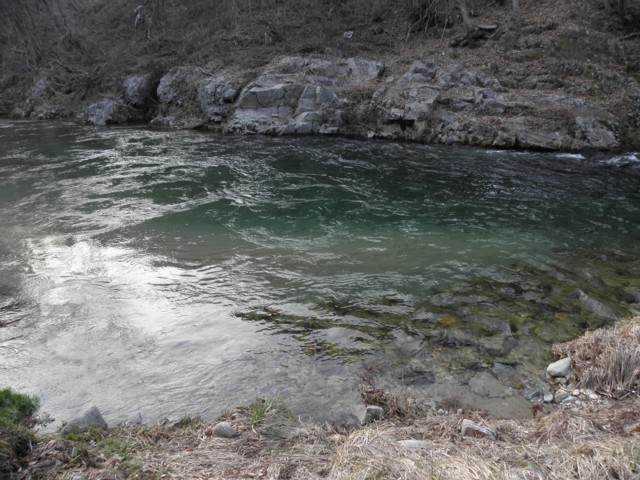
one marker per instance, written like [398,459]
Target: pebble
[548,397]
[560,395]
[440,412]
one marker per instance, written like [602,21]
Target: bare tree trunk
[516,12]
[466,20]
[622,7]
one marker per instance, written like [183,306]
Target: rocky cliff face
[429,102]
[563,77]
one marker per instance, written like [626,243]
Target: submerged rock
[598,308]
[507,375]
[135,420]
[485,385]
[631,295]
[91,419]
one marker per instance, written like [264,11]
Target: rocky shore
[427,102]
[587,427]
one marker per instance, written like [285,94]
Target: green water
[180,272]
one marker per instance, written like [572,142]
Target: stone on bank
[91,419]
[561,368]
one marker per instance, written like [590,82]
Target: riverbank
[563,79]
[569,439]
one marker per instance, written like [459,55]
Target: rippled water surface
[180,272]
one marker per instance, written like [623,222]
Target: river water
[175,273]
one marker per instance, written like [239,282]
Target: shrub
[15,436]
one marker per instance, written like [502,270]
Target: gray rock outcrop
[429,102]
[298,95]
[107,111]
[216,97]
[139,89]
[454,104]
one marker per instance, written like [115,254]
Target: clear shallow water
[181,273]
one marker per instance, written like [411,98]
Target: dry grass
[560,445]
[598,442]
[606,360]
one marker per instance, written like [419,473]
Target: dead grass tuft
[606,360]
[561,445]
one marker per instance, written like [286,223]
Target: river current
[174,273]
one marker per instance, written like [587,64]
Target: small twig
[630,36]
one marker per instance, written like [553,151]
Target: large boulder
[216,96]
[139,90]
[298,95]
[453,104]
[90,420]
[107,111]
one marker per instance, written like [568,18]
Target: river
[180,272]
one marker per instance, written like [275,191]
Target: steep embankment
[562,78]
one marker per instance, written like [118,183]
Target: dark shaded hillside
[72,52]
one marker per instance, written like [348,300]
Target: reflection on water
[181,273]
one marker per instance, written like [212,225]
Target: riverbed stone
[224,430]
[91,419]
[560,368]
[472,429]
